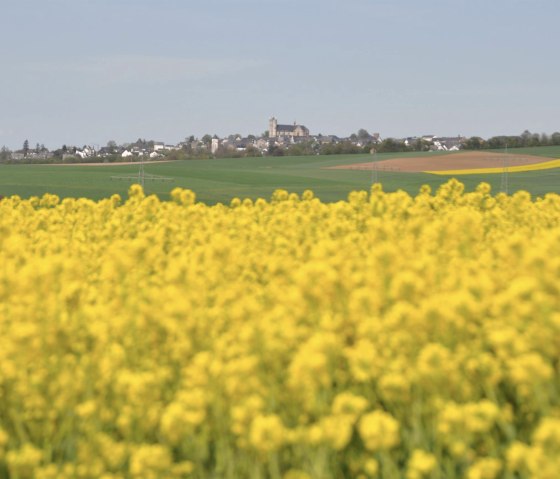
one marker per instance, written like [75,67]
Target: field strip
[546,165]
[114,163]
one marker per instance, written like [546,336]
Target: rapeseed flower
[383,336]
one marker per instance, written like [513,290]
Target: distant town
[278,140]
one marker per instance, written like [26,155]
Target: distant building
[263,143]
[327,139]
[86,152]
[448,143]
[275,130]
[215,145]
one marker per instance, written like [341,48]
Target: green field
[220,180]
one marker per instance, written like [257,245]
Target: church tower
[272,127]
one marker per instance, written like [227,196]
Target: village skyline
[278,140]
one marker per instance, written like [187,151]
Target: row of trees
[39,148]
[526,139]
[312,148]
[389,145]
[5,155]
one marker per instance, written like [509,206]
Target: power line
[142,177]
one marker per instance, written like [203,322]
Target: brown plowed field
[453,161]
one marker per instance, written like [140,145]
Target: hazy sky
[88,71]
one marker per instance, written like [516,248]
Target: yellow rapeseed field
[545,165]
[385,336]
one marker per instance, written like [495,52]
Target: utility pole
[505,173]
[374,176]
[141,175]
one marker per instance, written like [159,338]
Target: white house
[87,152]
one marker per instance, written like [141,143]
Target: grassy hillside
[547,151]
[220,180]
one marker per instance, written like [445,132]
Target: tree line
[525,140]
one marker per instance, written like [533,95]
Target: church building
[275,130]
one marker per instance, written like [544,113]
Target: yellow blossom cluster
[386,336]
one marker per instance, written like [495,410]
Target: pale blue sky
[88,71]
